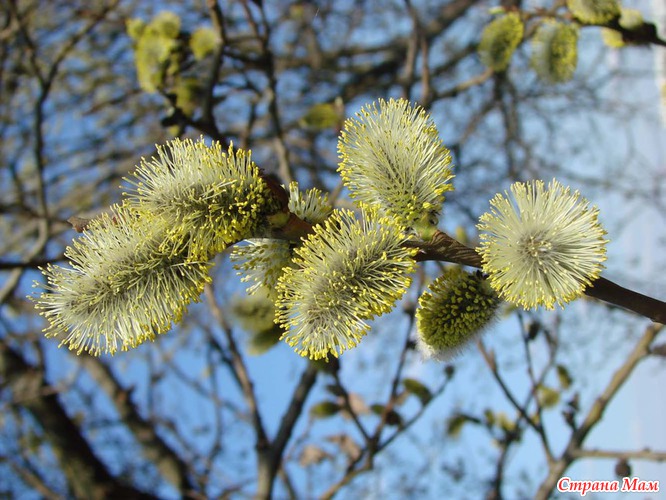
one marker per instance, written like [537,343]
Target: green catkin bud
[594,11]
[630,19]
[151,56]
[555,51]
[135,28]
[499,40]
[204,41]
[188,92]
[612,38]
[165,23]
[155,43]
[256,314]
[457,307]
[322,116]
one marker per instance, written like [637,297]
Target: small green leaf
[547,396]
[377,409]
[324,409]
[418,389]
[321,116]
[455,424]
[564,377]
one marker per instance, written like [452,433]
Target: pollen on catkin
[542,248]
[393,160]
[124,285]
[261,260]
[346,273]
[211,198]
[457,307]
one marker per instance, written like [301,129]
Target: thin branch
[646,454]
[268,60]
[86,475]
[492,364]
[365,460]
[535,387]
[240,373]
[612,293]
[348,406]
[32,479]
[170,465]
[596,412]
[31,264]
[444,248]
[269,468]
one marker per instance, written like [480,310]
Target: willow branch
[86,475]
[444,248]
[167,461]
[271,461]
[612,293]
[595,413]
[645,454]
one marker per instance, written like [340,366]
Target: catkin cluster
[135,270]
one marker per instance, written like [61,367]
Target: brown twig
[645,454]
[444,248]
[87,475]
[595,413]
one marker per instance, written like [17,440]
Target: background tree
[89,88]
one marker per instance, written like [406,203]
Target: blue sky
[634,420]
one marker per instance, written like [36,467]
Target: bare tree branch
[596,412]
[86,475]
